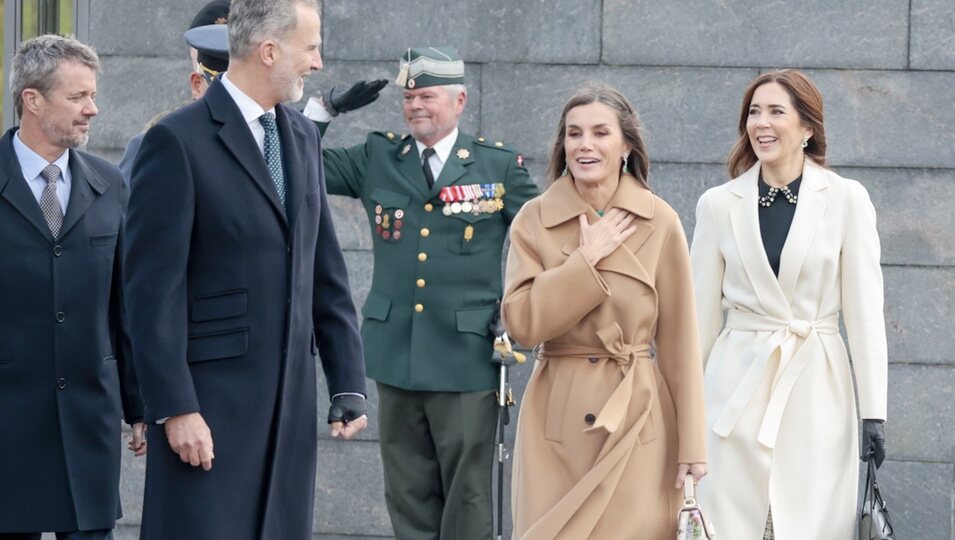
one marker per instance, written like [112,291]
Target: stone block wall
[885,67]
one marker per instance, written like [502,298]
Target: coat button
[425,232]
[61,383]
[422,257]
[420,283]
[590,419]
[57,251]
[428,207]
[60,316]
[593,359]
[419,308]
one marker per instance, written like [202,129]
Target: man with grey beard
[66,380]
[235,281]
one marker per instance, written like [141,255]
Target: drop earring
[626,160]
[805,142]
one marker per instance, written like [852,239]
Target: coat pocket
[474,321]
[217,345]
[376,307]
[221,305]
[104,240]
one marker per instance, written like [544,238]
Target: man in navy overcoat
[65,380]
[235,281]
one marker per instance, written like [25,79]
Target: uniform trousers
[105,534]
[437,449]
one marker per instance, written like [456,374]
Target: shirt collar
[442,148]
[251,111]
[32,163]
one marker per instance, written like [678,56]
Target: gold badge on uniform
[463,153]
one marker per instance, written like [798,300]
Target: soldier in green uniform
[439,203]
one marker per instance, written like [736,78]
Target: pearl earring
[805,142]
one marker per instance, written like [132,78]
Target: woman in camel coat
[598,273]
[783,249]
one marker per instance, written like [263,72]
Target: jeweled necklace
[769,198]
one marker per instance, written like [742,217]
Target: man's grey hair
[253,21]
[454,90]
[35,64]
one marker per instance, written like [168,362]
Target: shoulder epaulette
[389,135]
[487,143]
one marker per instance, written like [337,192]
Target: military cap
[215,12]
[212,44]
[430,66]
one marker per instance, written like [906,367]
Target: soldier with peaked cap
[209,47]
[439,204]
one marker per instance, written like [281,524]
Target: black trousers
[437,449]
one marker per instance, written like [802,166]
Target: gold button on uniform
[425,232]
[422,257]
[419,308]
[420,283]
[428,207]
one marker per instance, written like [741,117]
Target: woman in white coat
[782,250]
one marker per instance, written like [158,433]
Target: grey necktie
[49,202]
[273,153]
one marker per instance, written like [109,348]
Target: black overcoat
[230,298]
[61,351]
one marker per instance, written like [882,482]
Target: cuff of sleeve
[315,111]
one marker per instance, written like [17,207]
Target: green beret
[430,66]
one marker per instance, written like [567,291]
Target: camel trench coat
[783,425]
[615,401]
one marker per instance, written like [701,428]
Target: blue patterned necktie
[273,153]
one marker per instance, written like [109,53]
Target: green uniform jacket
[434,291]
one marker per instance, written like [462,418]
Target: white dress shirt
[250,110]
[442,149]
[31,164]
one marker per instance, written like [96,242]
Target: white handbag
[690,523]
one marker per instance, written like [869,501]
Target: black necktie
[428,175]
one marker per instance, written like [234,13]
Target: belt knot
[800,327]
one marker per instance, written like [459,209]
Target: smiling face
[774,127]
[432,112]
[299,55]
[593,143]
[64,114]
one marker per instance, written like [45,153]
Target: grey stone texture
[932,38]
[886,69]
[810,33]
[918,495]
[554,32]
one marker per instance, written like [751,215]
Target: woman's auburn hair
[808,104]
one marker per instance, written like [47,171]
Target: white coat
[781,412]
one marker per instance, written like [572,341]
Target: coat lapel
[745,223]
[15,190]
[809,212]
[238,139]
[562,203]
[455,167]
[86,184]
[409,165]
[291,136]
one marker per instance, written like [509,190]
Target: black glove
[496,327]
[873,441]
[341,100]
[346,408]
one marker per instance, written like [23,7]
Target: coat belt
[783,332]
[626,356]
